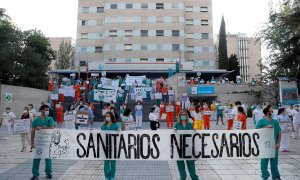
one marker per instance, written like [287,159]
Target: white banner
[140,92]
[154,145]
[22,126]
[54,96]
[109,83]
[67,91]
[109,95]
[131,79]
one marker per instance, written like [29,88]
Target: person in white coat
[285,125]
[6,122]
[296,121]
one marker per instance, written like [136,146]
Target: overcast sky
[58,18]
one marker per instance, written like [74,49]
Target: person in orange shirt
[229,117]
[206,117]
[162,109]
[165,94]
[242,117]
[170,115]
[158,87]
[59,116]
[178,107]
[50,85]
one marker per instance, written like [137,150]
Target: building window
[175,5]
[112,33]
[160,60]
[189,36]
[190,48]
[113,6]
[175,47]
[100,9]
[203,9]
[205,35]
[144,59]
[98,49]
[159,47]
[112,59]
[175,32]
[85,9]
[128,6]
[82,63]
[144,6]
[128,47]
[128,19]
[204,22]
[84,22]
[112,47]
[144,47]
[189,21]
[144,19]
[189,9]
[83,50]
[159,19]
[205,63]
[159,32]
[84,35]
[127,60]
[175,19]
[113,19]
[205,49]
[144,32]
[128,32]
[159,5]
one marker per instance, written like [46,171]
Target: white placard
[169,108]
[110,83]
[54,96]
[130,80]
[69,117]
[22,126]
[129,126]
[154,145]
[158,95]
[171,92]
[82,118]
[140,92]
[237,125]
[229,116]
[109,95]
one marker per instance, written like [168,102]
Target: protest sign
[169,108]
[158,95]
[129,126]
[108,95]
[109,83]
[154,145]
[22,126]
[69,117]
[181,80]
[140,92]
[170,92]
[67,91]
[130,80]
[54,96]
[82,118]
[237,125]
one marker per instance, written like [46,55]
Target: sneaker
[23,149]
[34,178]
[49,177]
[31,149]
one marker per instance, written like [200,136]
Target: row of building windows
[202,9]
[150,19]
[146,47]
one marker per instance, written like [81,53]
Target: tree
[3,16]
[25,56]
[222,49]
[233,65]
[64,56]
[281,34]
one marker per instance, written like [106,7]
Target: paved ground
[15,165]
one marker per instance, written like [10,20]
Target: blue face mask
[47,113]
[107,119]
[183,117]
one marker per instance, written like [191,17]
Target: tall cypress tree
[222,49]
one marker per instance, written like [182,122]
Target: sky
[58,18]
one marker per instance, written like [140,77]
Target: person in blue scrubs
[269,122]
[110,165]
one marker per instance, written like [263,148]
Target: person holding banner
[285,125]
[184,124]
[268,122]
[110,165]
[241,117]
[42,122]
[139,114]
[26,136]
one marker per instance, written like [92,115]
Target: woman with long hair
[242,117]
[139,114]
[154,124]
[70,123]
[126,118]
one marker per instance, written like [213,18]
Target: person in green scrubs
[110,165]
[42,122]
[268,122]
[184,124]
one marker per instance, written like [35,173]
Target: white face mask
[47,113]
[7,111]
[25,111]
[108,119]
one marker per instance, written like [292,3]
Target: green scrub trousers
[274,167]
[109,169]
[36,167]
[191,167]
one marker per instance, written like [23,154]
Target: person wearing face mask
[6,122]
[113,110]
[70,123]
[206,117]
[32,111]
[285,125]
[235,110]
[42,122]
[296,121]
[110,165]
[139,114]
[127,117]
[184,124]
[229,117]
[26,136]
[91,117]
[269,122]
[257,114]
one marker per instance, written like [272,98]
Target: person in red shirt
[206,117]
[59,110]
[165,94]
[178,107]
[61,97]
[161,109]
[242,117]
[170,115]
[192,82]
[50,85]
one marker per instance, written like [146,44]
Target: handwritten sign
[82,118]
[22,126]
